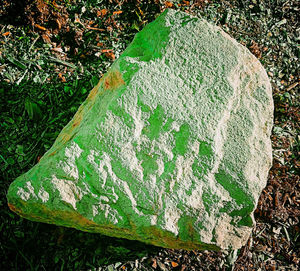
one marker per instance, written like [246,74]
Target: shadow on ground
[39,246]
[32,115]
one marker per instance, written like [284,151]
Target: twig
[292,86]
[35,40]
[286,233]
[62,62]
[21,78]
[95,28]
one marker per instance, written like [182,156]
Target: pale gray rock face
[172,147]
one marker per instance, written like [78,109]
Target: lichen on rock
[171,148]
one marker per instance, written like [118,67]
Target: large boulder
[171,147]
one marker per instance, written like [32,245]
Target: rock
[171,148]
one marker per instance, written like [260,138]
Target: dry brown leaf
[168,4]
[110,55]
[117,12]
[77,20]
[154,264]
[174,264]
[102,12]
[254,48]
[61,77]
[40,27]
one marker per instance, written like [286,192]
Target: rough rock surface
[170,148]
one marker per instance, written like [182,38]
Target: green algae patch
[171,147]
[150,43]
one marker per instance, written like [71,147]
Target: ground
[53,53]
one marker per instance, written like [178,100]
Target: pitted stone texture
[171,148]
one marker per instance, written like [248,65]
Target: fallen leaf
[40,27]
[46,38]
[142,13]
[117,12]
[77,20]
[168,4]
[154,265]
[109,29]
[58,24]
[102,12]
[110,55]
[55,5]
[61,77]
[58,50]
[174,264]
[254,48]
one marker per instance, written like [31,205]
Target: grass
[43,83]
